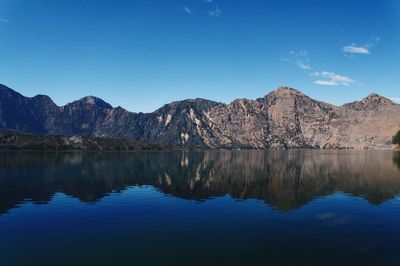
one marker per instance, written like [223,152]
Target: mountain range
[283,119]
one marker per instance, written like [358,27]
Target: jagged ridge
[282,119]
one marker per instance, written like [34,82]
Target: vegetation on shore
[396,159]
[19,140]
[396,139]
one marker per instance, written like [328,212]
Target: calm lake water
[200,208]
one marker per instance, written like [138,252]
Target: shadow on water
[396,158]
[284,180]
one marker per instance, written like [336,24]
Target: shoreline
[13,140]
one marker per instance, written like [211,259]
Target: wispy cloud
[3,20]
[299,58]
[215,12]
[353,49]
[364,49]
[209,8]
[299,53]
[303,65]
[187,10]
[331,79]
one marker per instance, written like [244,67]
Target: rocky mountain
[282,119]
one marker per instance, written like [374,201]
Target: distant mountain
[283,119]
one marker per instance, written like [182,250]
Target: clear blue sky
[142,54]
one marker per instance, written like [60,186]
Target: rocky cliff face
[283,119]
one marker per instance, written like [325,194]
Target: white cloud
[332,79]
[187,10]
[325,78]
[299,58]
[214,13]
[3,20]
[303,65]
[355,50]
[361,49]
[325,82]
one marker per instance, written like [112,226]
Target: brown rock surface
[283,119]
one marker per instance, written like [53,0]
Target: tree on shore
[396,159]
[396,139]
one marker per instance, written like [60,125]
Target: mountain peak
[94,101]
[376,98]
[283,90]
[372,102]
[42,97]
[288,91]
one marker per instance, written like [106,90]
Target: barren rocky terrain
[283,119]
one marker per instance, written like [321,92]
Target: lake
[200,208]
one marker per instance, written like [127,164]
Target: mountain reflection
[284,180]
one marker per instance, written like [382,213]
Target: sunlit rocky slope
[282,119]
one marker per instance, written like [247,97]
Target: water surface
[200,208]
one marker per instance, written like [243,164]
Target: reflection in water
[396,158]
[285,180]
